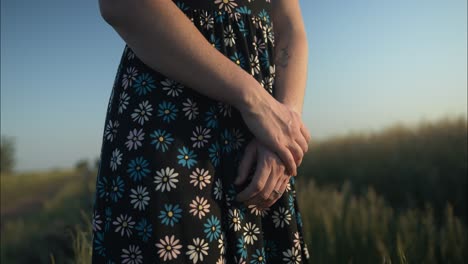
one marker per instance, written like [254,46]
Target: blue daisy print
[241,247]
[168,111]
[182,6]
[161,139]
[271,250]
[138,168]
[299,219]
[144,229]
[219,16]
[226,141]
[263,15]
[211,117]
[171,214]
[238,58]
[99,243]
[244,10]
[212,228]
[187,157]
[144,84]
[291,204]
[117,189]
[215,42]
[258,257]
[108,219]
[102,187]
[265,59]
[242,28]
[214,153]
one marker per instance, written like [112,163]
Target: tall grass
[343,228]
[408,165]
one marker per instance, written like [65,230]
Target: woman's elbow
[111,10]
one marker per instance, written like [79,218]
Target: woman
[203,133]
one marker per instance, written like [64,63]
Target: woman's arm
[291,53]
[165,39]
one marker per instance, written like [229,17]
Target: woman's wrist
[253,98]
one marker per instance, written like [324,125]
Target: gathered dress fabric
[170,155]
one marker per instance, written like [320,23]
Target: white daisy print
[206,20]
[197,250]
[238,138]
[123,102]
[272,71]
[200,136]
[226,5]
[281,217]
[297,240]
[142,113]
[229,36]
[224,108]
[132,255]
[254,209]
[200,178]
[168,248]
[259,44]
[250,233]
[222,243]
[139,198]
[124,224]
[254,64]
[267,83]
[166,179]
[130,54]
[111,130]
[190,109]
[268,33]
[134,139]
[96,221]
[221,260]
[129,77]
[200,207]
[172,87]
[292,256]
[234,219]
[116,159]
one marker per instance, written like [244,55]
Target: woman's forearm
[291,56]
[165,39]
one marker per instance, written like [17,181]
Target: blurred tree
[97,162]
[7,154]
[82,165]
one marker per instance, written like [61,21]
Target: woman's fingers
[245,164]
[288,159]
[262,197]
[303,143]
[260,178]
[305,133]
[280,187]
[298,153]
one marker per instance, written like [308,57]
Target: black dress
[169,156]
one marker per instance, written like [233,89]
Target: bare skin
[290,82]
[147,24]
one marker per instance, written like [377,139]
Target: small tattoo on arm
[283,57]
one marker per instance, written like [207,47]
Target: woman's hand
[279,127]
[269,180]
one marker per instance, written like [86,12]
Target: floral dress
[169,156]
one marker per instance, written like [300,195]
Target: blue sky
[371,64]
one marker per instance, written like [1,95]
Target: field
[394,196]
